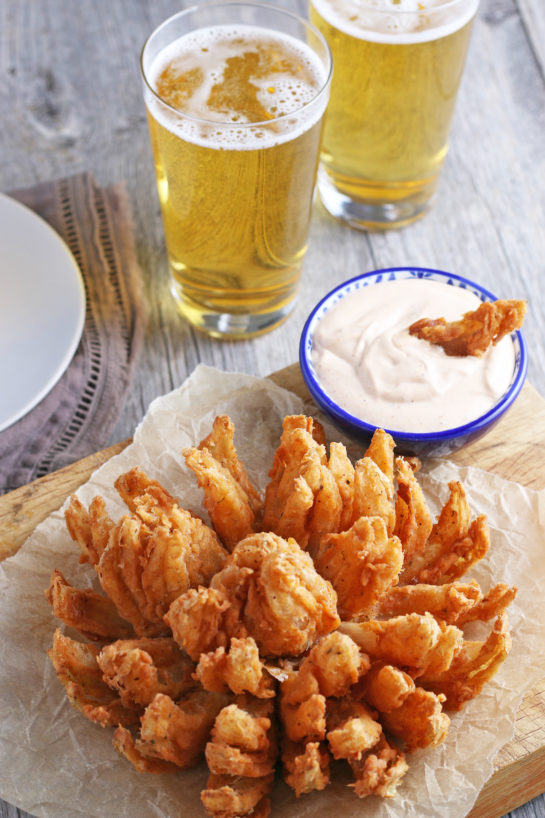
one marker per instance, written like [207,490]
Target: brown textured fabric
[77,417]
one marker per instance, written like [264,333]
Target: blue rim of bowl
[321,397]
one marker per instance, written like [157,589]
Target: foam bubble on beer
[201,59]
[397,21]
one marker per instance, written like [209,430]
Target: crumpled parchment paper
[56,764]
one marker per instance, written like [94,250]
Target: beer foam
[284,96]
[397,21]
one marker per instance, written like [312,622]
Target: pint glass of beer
[235,94]
[397,68]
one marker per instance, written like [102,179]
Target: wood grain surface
[513,449]
[70,101]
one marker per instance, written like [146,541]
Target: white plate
[42,309]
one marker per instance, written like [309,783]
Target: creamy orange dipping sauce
[367,362]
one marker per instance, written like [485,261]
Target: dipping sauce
[368,364]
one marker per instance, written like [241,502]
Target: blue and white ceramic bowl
[419,443]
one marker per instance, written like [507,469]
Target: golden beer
[235,120]
[397,73]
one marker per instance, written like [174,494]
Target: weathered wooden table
[70,101]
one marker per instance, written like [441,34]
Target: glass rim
[238,3]
[367,7]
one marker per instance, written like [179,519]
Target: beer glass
[397,68]
[235,94]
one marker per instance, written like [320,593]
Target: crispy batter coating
[333,665]
[150,557]
[239,670]
[290,423]
[325,515]
[362,564]
[449,602]
[305,721]
[295,513]
[381,451]
[178,731]
[228,796]
[270,590]
[243,740]
[352,728]
[472,667]
[414,642]
[454,545]
[476,330]
[380,771]
[449,566]
[300,464]
[246,723]
[419,721]
[138,669]
[93,615]
[373,493]
[76,666]
[413,523]
[89,529]
[225,500]
[341,468]
[386,687]
[196,619]
[491,605]
[305,765]
[124,743]
[220,443]
[144,496]
[289,605]
[336,663]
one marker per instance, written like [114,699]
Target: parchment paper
[56,764]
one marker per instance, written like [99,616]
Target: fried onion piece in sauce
[476,330]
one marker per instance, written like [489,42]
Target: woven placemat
[77,417]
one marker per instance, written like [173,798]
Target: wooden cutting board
[514,449]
